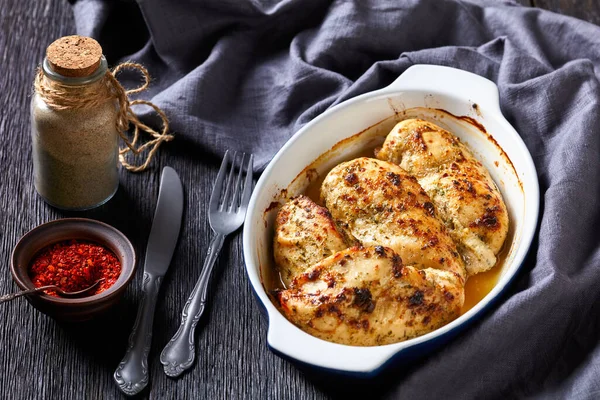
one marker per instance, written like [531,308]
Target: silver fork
[226,213]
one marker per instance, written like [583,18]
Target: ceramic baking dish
[462,102]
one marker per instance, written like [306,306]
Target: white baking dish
[417,92]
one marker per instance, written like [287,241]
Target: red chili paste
[75,265]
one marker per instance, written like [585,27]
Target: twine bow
[66,97]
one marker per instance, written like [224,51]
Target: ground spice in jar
[75,142]
[79,112]
[75,265]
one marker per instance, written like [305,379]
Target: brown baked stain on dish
[273,206]
[475,107]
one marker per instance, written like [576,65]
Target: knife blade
[132,373]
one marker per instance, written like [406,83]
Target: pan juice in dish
[390,241]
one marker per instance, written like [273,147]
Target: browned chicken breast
[464,194]
[304,235]
[367,297]
[382,205]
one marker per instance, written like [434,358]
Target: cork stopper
[74,56]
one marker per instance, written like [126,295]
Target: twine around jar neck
[61,96]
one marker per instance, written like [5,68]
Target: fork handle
[179,354]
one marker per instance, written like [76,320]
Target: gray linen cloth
[247,74]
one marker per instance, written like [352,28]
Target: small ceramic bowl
[461,102]
[82,308]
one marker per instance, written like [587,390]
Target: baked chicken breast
[304,235]
[460,187]
[367,297]
[381,205]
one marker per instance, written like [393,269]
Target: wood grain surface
[41,358]
[587,10]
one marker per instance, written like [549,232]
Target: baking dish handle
[450,81]
[290,342]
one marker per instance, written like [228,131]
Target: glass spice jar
[74,127]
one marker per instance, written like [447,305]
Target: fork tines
[232,187]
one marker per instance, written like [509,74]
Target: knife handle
[178,355]
[132,373]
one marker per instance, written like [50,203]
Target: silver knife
[132,373]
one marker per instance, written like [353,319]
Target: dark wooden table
[41,358]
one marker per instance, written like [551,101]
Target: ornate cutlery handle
[178,355]
[132,373]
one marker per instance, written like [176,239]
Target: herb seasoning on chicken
[305,234]
[368,297]
[460,187]
[383,205]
